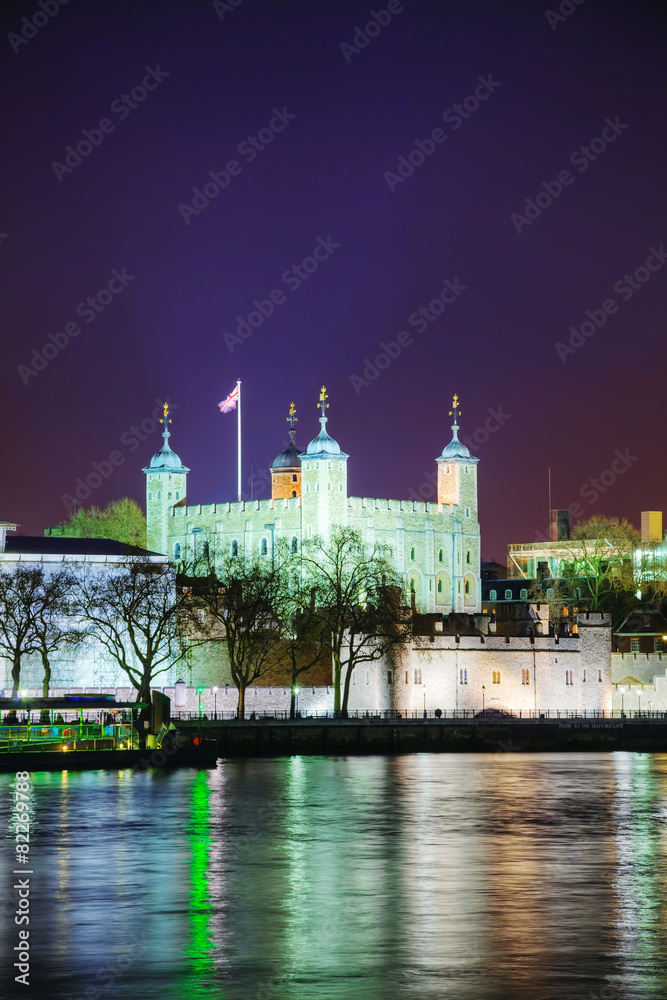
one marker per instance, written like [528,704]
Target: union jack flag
[229,404]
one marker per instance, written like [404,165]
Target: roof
[643,622]
[39,545]
[500,586]
[289,458]
[323,446]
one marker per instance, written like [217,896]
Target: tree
[122,520]
[240,600]
[54,626]
[304,628]
[598,567]
[138,616]
[358,603]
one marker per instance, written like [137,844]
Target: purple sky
[221,75]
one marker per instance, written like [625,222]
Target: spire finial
[292,419]
[165,419]
[455,411]
[323,405]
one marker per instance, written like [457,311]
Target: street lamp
[296,699]
[199,693]
[215,703]
[483,690]
[639,702]
[424,690]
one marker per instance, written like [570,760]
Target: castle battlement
[495,643]
[398,506]
[242,507]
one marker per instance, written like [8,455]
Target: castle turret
[166,480]
[286,468]
[457,495]
[324,480]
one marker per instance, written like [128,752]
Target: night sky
[327,176]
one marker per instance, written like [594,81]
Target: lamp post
[296,699]
[639,702]
[199,694]
[622,690]
[215,703]
[483,696]
[424,690]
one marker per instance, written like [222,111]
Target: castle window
[340,487]
[657,645]
[150,496]
[634,645]
[307,487]
[406,677]
[463,676]
[329,486]
[467,587]
[467,468]
[293,493]
[523,594]
[493,595]
[412,585]
[159,496]
[390,677]
[177,550]
[168,496]
[525,676]
[415,676]
[508,594]
[234,550]
[294,478]
[550,592]
[294,547]
[467,511]
[440,556]
[412,553]
[600,676]
[263,548]
[458,588]
[496,677]
[569,678]
[447,470]
[439,586]
[178,495]
[583,675]
[468,557]
[317,487]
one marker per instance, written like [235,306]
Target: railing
[72,736]
[437,715]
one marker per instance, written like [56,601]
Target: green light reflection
[199,944]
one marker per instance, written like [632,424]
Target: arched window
[159,495]
[440,556]
[439,586]
[523,594]
[496,677]
[177,550]
[294,477]
[263,548]
[234,549]
[508,594]
[294,547]
[550,592]
[468,557]
[168,496]
[493,595]
[150,496]
[467,587]
[293,493]
[178,495]
[412,553]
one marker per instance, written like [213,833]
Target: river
[424,876]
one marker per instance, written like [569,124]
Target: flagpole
[238,437]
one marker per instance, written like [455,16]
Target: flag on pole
[229,404]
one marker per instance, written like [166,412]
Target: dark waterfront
[417,876]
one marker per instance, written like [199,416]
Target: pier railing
[67,736]
[437,715]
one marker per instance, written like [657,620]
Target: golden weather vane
[165,418]
[455,411]
[292,419]
[323,399]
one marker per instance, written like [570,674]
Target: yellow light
[65,747]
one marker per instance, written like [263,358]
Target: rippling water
[417,876]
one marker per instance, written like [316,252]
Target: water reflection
[420,876]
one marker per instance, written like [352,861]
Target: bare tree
[21,596]
[54,625]
[358,600]
[137,614]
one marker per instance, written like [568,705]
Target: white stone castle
[435,546]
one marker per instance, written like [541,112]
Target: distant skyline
[401,205]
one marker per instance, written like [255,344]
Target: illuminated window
[550,592]
[159,496]
[525,676]
[263,549]
[493,595]
[234,551]
[496,677]
[569,677]
[508,594]
[463,676]
[177,550]
[634,645]
[657,645]
[294,547]
[523,594]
